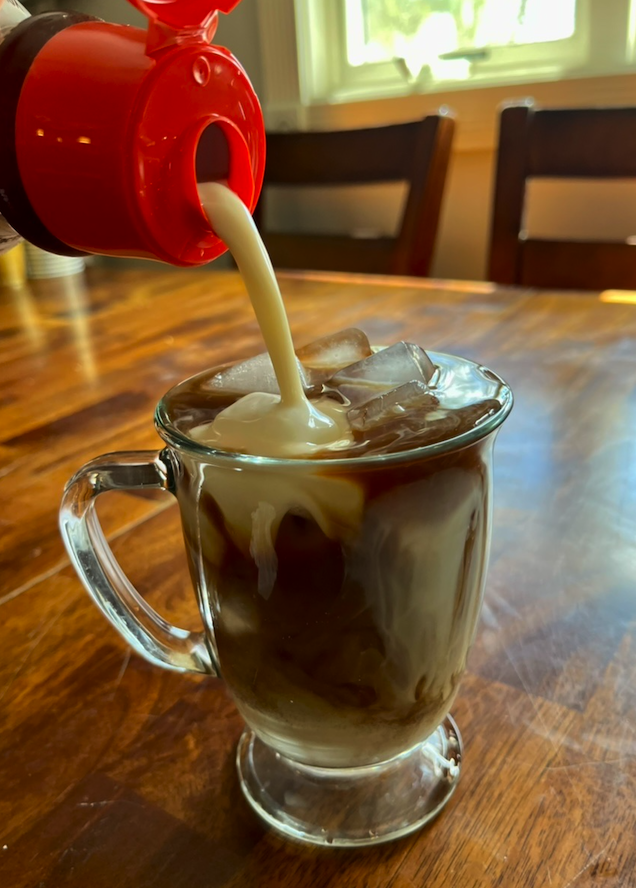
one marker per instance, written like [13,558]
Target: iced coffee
[335,503]
[344,588]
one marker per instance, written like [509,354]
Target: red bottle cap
[184,15]
[115,127]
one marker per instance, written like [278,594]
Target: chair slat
[579,265]
[564,143]
[416,152]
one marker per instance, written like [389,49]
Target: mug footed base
[349,807]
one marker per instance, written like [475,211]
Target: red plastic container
[107,129]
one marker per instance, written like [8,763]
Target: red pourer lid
[114,128]
[184,15]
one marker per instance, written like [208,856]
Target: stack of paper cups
[41,264]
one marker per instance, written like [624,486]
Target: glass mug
[339,599]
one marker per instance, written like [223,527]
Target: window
[352,49]
[444,39]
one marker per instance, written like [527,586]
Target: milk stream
[259,423]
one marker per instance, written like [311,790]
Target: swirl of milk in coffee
[264,424]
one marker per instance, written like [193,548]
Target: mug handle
[143,628]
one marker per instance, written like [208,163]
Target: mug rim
[179,441]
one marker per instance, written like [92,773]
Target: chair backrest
[590,143]
[417,153]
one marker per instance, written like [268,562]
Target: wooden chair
[414,152]
[574,143]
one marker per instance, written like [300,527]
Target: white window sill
[476,108]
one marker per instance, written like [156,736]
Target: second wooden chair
[584,143]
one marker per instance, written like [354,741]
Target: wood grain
[113,773]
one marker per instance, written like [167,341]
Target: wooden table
[114,773]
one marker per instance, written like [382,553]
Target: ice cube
[420,425]
[254,375]
[388,368]
[337,350]
[391,405]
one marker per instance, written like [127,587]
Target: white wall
[119,11]
[463,231]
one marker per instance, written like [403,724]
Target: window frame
[512,63]
[327,76]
